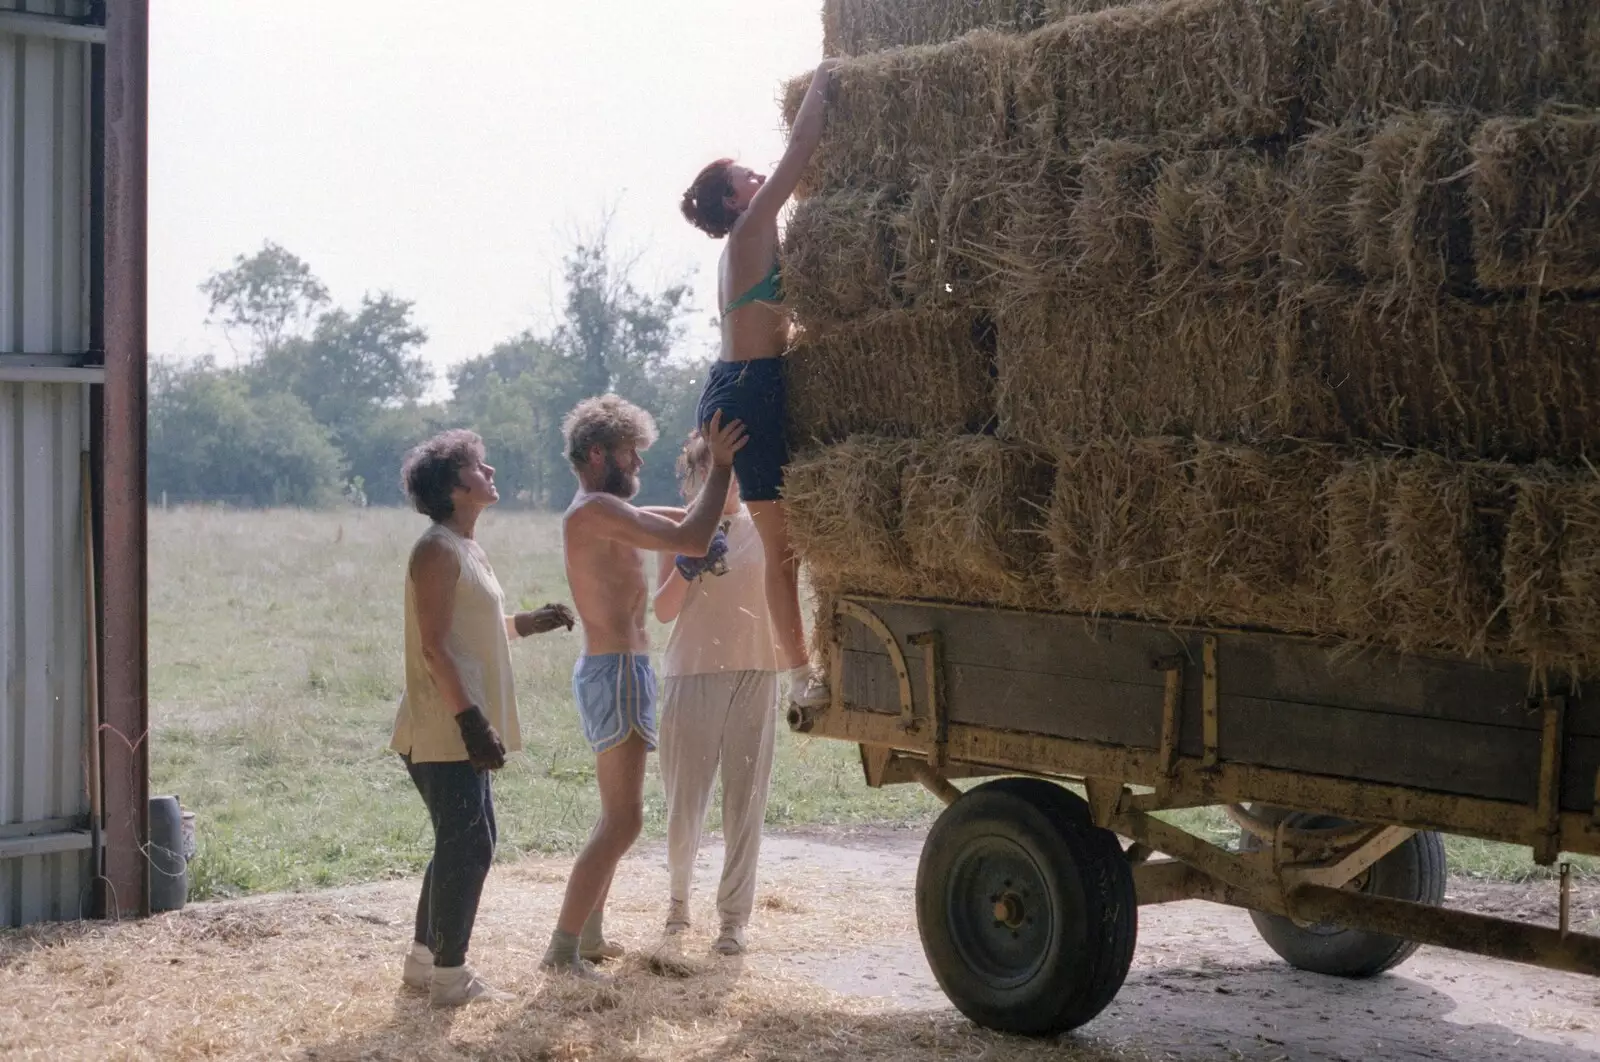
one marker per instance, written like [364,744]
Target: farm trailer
[1341,767]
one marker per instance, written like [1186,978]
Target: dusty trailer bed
[1341,766]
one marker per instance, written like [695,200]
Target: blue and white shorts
[616,695]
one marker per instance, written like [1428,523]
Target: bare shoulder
[432,556]
[593,513]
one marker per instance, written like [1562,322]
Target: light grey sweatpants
[707,720]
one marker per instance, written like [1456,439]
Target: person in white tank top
[719,705]
[458,716]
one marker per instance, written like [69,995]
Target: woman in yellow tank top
[458,716]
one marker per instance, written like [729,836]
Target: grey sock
[593,933]
[563,950]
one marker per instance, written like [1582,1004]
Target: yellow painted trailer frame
[1336,763]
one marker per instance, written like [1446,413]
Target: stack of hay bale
[1280,314]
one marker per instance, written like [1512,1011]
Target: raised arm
[803,140]
[606,516]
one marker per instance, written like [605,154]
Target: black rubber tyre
[1027,912]
[1414,871]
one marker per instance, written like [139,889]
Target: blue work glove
[691,568]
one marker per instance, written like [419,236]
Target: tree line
[326,400]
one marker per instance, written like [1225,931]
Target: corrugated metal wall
[44,309]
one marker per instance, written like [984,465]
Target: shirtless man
[603,536]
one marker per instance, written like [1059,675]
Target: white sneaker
[418,970]
[810,689]
[451,986]
[730,941]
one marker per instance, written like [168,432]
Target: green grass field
[275,668]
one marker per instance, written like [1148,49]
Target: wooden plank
[1038,643]
[1389,683]
[1580,764]
[1117,713]
[1268,666]
[1441,755]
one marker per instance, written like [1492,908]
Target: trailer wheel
[1414,871]
[1027,912]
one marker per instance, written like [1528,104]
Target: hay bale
[899,115]
[1416,547]
[856,27]
[949,236]
[1257,540]
[1318,253]
[1409,206]
[1218,221]
[904,373]
[1363,57]
[1110,222]
[1115,547]
[1071,369]
[1213,70]
[1355,506]
[1515,380]
[843,508]
[841,257]
[1535,200]
[1534,539]
[972,515]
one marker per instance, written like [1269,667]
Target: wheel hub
[1001,916]
[1009,911]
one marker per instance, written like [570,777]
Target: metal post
[124,694]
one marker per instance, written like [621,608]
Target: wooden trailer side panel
[1285,703]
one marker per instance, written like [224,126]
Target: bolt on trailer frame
[1342,768]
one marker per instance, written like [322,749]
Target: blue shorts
[752,392]
[616,694]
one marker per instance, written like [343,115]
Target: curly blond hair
[607,421]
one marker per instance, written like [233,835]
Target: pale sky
[444,151]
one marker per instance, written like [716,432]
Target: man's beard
[618,482]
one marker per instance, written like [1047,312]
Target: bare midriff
[754,332]
[607,580]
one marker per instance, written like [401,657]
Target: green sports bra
[768,289]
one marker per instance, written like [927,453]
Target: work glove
[484,750]
[692,568]
[543,619]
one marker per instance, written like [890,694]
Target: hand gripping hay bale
[903,374]
[1535,201]
[896,116]
[1416,546]
[841,257]
[1115,545]
[1211,70]
[1363,57]
[1515,380]
[1073,369]
[1409,206]
[843,507]
[972,517]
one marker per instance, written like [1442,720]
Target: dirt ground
[835,972]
